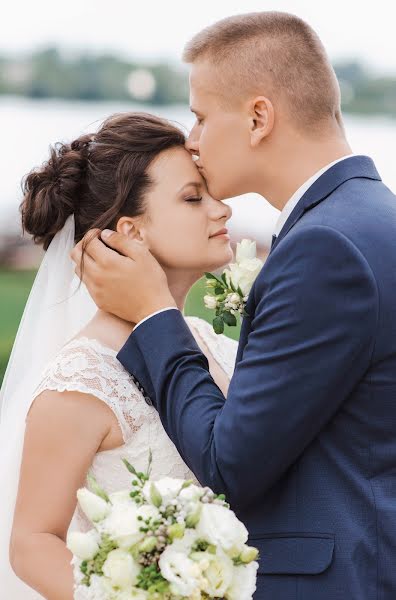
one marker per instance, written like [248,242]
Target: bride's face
[181,218]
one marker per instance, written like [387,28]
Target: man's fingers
[76,253]
[83,260]
[122,244]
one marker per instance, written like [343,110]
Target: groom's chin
[220,192]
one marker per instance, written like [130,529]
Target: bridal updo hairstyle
[99,177]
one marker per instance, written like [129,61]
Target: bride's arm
[64,430]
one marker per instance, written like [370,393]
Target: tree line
[51,73]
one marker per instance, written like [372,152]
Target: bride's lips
[223,233]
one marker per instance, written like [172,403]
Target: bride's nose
[219,210]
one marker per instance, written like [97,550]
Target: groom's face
[220,137]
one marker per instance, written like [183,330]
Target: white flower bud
[93,506]
[121,569]
[246,250]
[234,299]
[83,545]
[210,302]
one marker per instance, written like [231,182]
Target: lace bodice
[85,365]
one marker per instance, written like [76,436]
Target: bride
[67,405]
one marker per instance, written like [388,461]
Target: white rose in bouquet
[244,582]
[190,493]
[183,574]
[219,526]
[83,545]
[161,540]
[122,525]
[121,569]
[217,570]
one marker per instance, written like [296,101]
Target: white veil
[57,308]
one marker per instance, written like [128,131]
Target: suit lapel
[350,168]
[355,166]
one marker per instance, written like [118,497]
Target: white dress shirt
[294,200]
[285,214]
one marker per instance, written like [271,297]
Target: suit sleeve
[310,343]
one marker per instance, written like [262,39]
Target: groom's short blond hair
[274,54]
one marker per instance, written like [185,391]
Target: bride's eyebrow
[195,184]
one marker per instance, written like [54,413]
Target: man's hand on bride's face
[123,277]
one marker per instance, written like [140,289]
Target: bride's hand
[123,277]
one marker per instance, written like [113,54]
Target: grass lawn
[14,290]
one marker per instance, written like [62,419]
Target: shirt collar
[293,201]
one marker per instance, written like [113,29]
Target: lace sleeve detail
[84,365]
[222,348]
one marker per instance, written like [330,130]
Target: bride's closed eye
[194,199]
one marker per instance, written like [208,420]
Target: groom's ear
[261,119]
[130,228]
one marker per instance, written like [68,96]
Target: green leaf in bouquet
[224,279]
[186,484]
[239,291]
[150,464]
[232,286]
[229,319]
[155,496]
[210,276]
[219,290]
[95,488]
[218,325]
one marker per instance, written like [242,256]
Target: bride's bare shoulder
[108,330]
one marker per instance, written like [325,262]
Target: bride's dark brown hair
[98,177]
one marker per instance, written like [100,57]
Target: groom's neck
[296,164]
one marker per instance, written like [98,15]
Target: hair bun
[51,192]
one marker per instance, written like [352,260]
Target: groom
[304,446]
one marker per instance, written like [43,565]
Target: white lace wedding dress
[85,365]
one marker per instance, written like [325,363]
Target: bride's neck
[179,286]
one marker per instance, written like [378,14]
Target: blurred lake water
[28,127]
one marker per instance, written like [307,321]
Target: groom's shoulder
[357,222]
[361,210]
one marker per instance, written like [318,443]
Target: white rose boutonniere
[227,295]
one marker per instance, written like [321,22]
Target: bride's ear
[130,227]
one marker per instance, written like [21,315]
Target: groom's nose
[192,142]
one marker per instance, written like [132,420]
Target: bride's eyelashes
[194,199]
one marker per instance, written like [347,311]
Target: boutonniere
[227,294]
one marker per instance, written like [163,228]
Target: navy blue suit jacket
[304,446]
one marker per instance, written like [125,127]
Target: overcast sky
[158,29]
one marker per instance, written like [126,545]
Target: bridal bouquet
[164,540]
[227,295]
